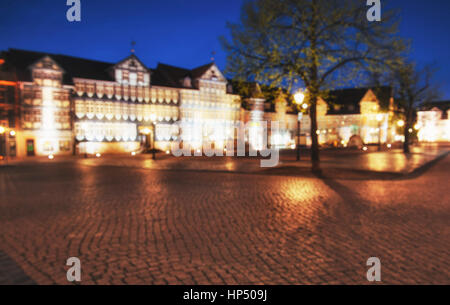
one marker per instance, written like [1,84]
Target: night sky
[182,32]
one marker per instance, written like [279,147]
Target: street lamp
[379,119]
[299,98]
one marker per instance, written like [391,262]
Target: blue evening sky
[182,32]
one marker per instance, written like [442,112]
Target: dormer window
[125,75]
[133,78]
[140,77]
[187,82]
[213,75]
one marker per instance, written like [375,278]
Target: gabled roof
[19,62]
[169,76]
[198,72]
[134,57]
[348,100]
[441,105]
[172,76]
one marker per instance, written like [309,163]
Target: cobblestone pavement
[133,225]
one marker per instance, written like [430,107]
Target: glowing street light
[12,133]
[2,130]
[299,97]
[401,123]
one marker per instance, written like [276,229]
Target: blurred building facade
[433,122]
[348,117]
[57,104]
[66,105]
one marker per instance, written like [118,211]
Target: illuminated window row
[217,105]
[127,92]
[166,132]
[125,111]
[98,131]
[192,114]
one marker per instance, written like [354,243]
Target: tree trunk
[407,127]
[406,149]
[315,159]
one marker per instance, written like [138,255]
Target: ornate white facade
[76,105]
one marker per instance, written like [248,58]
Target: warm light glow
[401,123]
[389,146]
[410,130]
[365,148]
[2,130]
[379,117]
[146,131]
[305,106]
[133,153]
[12,133]
[98,155]
[7,83]
[299,97]
[51,157]
[167,152]
[417,126]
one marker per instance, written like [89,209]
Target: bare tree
[413,87]
[313,42]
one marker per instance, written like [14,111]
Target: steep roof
[348,100]
[168,75]
[19,62]
[198,72]
[441,105]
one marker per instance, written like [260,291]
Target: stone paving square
[134,224]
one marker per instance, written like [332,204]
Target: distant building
[433,122]
[74,105]
[348,117]
[356,116]
[9,112]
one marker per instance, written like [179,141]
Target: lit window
[133,79]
